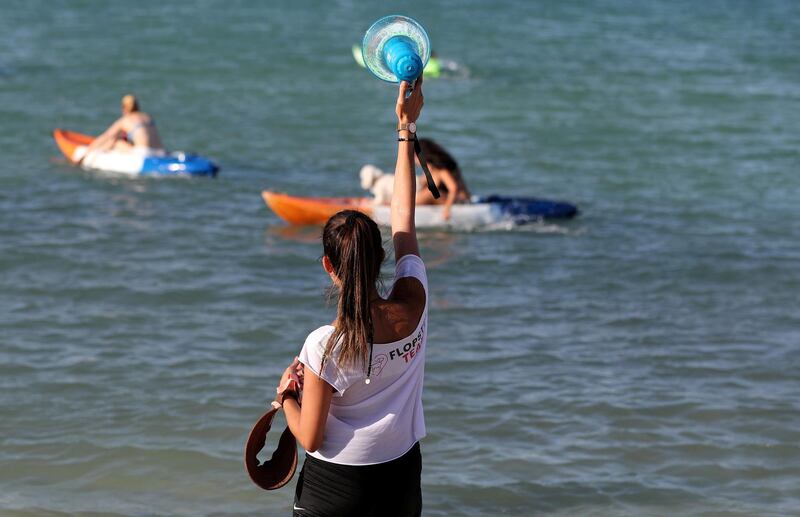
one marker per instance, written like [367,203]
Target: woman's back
[380,420]
[399,314]
[141,130]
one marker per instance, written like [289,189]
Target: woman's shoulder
[411,266]
[138,117]
[409,293]
[131,119]
[320,335]
[314,346]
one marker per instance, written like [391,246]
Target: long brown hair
[352,243]
[437,156]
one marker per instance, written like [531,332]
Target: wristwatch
[411,127]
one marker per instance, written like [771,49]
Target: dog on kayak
[380,183]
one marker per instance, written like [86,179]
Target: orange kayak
[312,210]
[69,141]
[482,211]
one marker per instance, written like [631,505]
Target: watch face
[412,128]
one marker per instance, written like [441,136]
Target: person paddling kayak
[447,176]
[445,172]
[135,131]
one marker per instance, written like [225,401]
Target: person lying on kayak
[446,174]
[134,131]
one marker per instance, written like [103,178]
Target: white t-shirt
[380,421]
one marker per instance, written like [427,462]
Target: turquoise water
[642,359]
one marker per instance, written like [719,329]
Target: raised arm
[404,233]
[453,190]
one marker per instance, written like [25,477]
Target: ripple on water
[638,360]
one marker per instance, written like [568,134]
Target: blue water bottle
[396,48]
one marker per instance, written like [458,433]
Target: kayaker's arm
[404,234]
[108,137]
[425,197]
[451,185]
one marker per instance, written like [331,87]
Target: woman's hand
[409,108]
[291,380]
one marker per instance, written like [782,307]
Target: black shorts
[389,489]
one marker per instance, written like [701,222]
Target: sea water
[639,360]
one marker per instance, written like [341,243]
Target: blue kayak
[525,209]
[179,163]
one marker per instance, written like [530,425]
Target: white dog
[381,184]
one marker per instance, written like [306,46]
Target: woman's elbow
[312,446]
[310,443]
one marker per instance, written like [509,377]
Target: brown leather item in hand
[279,469]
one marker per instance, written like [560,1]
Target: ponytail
[352,243]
